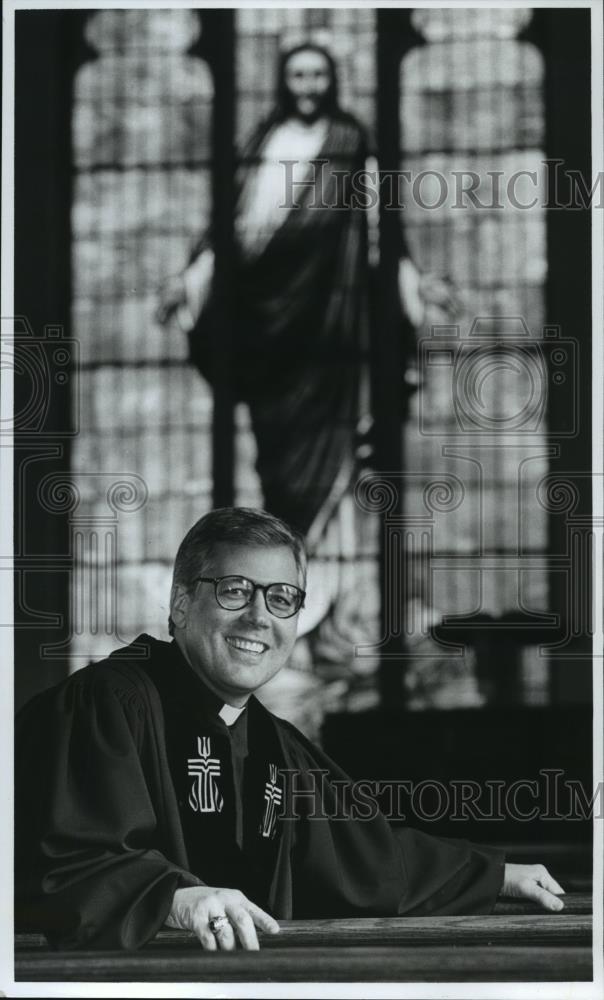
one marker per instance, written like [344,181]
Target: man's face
[308,79]
[235,652]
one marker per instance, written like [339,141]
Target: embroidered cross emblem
[204,796]
[272,798]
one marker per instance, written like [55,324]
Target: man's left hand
[532,882]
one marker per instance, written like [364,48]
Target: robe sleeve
[448,877]
[90,836]
[348,861]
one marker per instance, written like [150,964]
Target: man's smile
[247,645]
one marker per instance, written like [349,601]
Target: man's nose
[256,611]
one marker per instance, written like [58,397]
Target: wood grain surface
[511,945]
[337,964]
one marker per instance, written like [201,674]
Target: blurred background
[474,524]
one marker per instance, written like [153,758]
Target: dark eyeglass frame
[264,587]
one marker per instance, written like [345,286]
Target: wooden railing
[516,943]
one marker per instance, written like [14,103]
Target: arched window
[472,126]
[142,163]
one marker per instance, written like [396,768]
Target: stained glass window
[141,132]
[471,105]
[471,114]
[342,608]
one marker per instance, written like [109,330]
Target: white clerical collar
[229,714]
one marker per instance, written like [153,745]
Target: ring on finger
[217,924]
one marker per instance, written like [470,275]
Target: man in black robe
[155,789]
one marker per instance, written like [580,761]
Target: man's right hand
[193,908]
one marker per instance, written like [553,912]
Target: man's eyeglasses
[235,592]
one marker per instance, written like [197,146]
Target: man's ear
[179,605]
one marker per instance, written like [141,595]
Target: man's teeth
[246,644]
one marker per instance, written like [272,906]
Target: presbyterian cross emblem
[272,798]
[204,796]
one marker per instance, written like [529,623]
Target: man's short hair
[232,526]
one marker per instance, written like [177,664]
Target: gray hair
[234,526]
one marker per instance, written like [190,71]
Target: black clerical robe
[129,786]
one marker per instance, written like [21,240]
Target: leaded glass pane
[472,118]
[142,150]
[343,594]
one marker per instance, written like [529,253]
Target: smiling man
[159,791]
[236,628]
